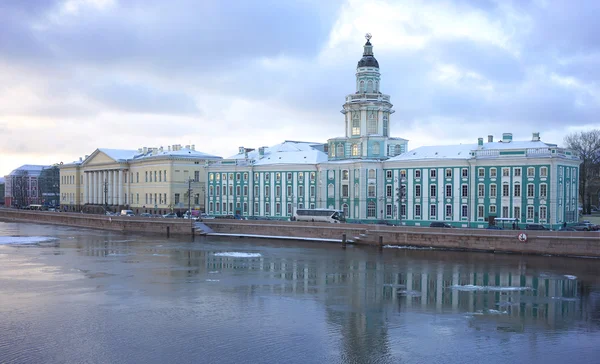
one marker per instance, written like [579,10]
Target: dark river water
[85,296]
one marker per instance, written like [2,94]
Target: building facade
[373,177]
[21,186]
[152,180]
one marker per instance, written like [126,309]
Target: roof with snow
[119,154]
[288,152]
[32,170]
[463,151]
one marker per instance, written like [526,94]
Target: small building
[21,187]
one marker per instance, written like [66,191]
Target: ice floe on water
[212,280]
[470,287]
[487,312]
[567,276]
[238,255]
[409,293]
[25,239]
[214,272]
[408,247]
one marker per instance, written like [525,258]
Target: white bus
[321,215]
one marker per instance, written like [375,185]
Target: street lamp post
[106,195]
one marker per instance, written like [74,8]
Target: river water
[71,295]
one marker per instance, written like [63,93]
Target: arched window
[372,125]
[346,210]
[340,150]
[385,125]
[398,149]
[371,209]
[355,124]
[370,86]
[376,150]
[330,190]
[371,173]
[354,150]
[362,87]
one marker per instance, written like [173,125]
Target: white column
[120,188]
[129,188]
[94,185]
[97,187]
[103,176]
[114,188]
[84,189]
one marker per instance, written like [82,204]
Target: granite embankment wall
[113,223]
[538,242]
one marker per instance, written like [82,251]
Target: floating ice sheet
[25,239]
[470,287]
[238,255]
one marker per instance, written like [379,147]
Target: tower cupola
[368,60]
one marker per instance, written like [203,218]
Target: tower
[367,114]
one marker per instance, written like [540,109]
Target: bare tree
[20,188]
[587,144]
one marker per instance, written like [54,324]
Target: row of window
[516,172]
[223,190]
[464,213]
[227,208]
[238,176]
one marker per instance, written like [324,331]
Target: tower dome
[368,60]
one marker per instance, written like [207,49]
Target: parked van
[127,213]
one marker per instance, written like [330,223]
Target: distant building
[21,186]
[154,180]
[373,178]
[2,188]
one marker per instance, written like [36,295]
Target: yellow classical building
[153,180]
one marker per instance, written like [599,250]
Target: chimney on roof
[506,137]
[169,147]
[187,146]
[241,150]
[86,156]
[261,152]
[535,137]
[194,147]
[479,143]
[139,150]
[145,150]
[490,138]
[80,159]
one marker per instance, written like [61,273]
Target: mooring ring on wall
[522,237]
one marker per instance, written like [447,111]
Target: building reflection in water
[362,292]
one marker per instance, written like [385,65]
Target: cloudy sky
[76,75]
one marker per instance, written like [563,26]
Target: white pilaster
[85,189]
[120,187]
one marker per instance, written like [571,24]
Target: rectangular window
[492,209]
[238,190]
[312,191]
[465,173]
[542,212]
[544,172]
[530,190]
[267,191]
[278,208]
[448,210]
[543,190]
[137,198]
[237,177]
[245,190]
[505,172]
[448,190]
[403,210]
[388,210]
[176,198]
[146,176]
[505,191]
[197,199]
[165,174]
[371,190]
[432,173]
[256,191]
[388,191]
[417,190]
[146,198]
[493,191]
[464,211]
[516,212]
[432,210]
[480,190]
[245,207]
[155,179]
[480,211]
[345,191]
[492,172]
[465,191]
[388,174]
[418,210]
[277,191]
[300,191]
[345,175]
[289,191]
[196,176]
[267,208]
[433,191]
[448,173]
[256,211]
[417,173]
[278,176]
[529,212]
[517,190]
[517,172]
[530,173]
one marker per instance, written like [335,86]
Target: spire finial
[368,36]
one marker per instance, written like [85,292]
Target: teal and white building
[373,177]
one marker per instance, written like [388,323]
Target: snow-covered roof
[183,152]
[119,154]
[516,145]
[288,152]
[33,170]
[461,151]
